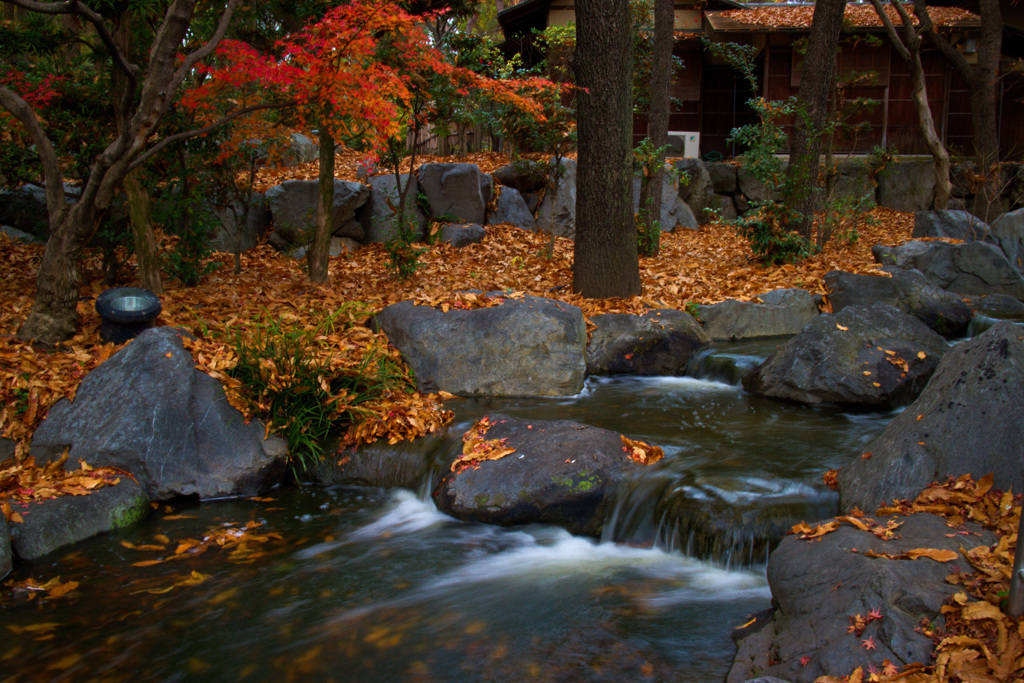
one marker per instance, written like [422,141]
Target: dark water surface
[368,585]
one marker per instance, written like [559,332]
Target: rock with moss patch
[562,472]
[58,522]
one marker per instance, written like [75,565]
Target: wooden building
[711,96]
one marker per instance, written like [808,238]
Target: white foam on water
[674,383]
[409,515]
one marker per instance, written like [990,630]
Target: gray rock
[685,217]
[959,225]
[59,522]
[462,234]
[694,180]
[996,304]
[512,208]
[970,268]
[1008,230]
[406,464]
[453,192]
[379,215]
[733,320]
[818,587]
[908,185]
[6,555]
[873,357]
[24,208]
[969,419]
[563,473]
[148,411]
[723,177]
[557,211]
[907,290]
[526,346]
[6,449]
[523,175]
[696,191]
[721,205]
[339,246]
[659,342]
[487,188]
[19,235]
[301,150]
[854,180]
[293,206]
[669,218]
[752,188]
[257,225]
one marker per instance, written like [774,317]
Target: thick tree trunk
[605,260]
[817,80]
[657,122]
[318,256]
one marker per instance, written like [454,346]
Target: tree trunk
[909,49]
[981,80]
[147,253]
[605,262]
[657,123]
[318,256]
[817,80]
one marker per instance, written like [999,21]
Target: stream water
[370,585]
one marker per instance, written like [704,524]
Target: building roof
[798,17]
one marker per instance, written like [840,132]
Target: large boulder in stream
[782,312]
[148,411]
[872,357]
[969,268]
[907,290]
[969,419]
[524,346]
[660,342]
[819,587]
[562,473]
[58,522]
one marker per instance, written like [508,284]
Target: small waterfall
[733,524]
[729,366]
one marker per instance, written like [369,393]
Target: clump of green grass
[295,378]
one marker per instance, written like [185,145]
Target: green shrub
[293,379]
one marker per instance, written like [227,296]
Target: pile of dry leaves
[977,643]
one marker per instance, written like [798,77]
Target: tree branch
[939,43]
[22,111]
[44,7]
[894,37]
[130,70]
[185,135]
[210,45]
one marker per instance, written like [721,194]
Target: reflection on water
[365,585]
